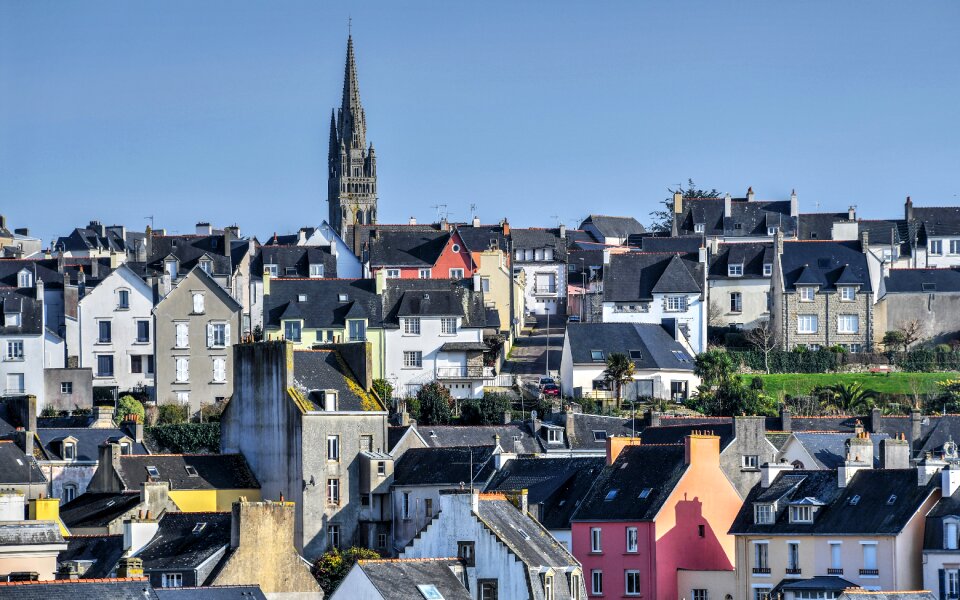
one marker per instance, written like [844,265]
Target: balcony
[545,290]
[870,572]
[834,571]
[14,392]
[761,570]
[792,571]
[478,372]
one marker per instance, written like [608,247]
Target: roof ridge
[403,560]
[73,581]
[126,456]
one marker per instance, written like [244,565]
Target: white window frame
[951,582]
[736,302]
[801,514]
[412,359]
[219,370]
[183,398]
[425,273]
[836,555]
[698,227]
[224,329]
[69,451]
[631,576]
[333,491]
[735,270]
[181,335]
[750,461]
[69,492]
[757,555]
[763,514]
[182,371]
[675,304]
[848,293]
[596,540]
[411,326]
[316,271]
[15,350]
[296,326]
[271,270]
[123,299]
[936,247]
[456,273]
[866,565]
[448,325]
[66,387]
[808,324]
[393,273]
[767,269]
[632,539]
[596,582]
[954,246]
[171,580]
[333,535]
[806,293]
[199,306]
[333,447]
[951,539]
[698,594]
[554,435]
[848,324]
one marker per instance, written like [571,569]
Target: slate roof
[538,548]
[189,249]
[947,506]
[29,533]
[938,220]
[922,281]
[558,484]
[866,595]
[829,449]
[88,441]
[649,345]
[16,468]
[658,468]
[818,583]
[883,233]
[432,298]
[636,276]
[514,437]
[533,239]
[21,301]
[397,579]
[214,471]
[748,218]
[444,466]
[44,269]
[675,434]
[212,592]
[97,509]
[751,255]
[618,227]
[182,543]
[407,248]
[115,589]
[580,433]
[485,237]
[357,236]
[102,551]
[295,258]
[681,243]
[316,370]
[592,265]
[395,433]
[819,226]
[824,264]
[872,514]
[322,308]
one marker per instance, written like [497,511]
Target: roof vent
[928,287]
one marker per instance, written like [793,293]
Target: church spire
[351,87]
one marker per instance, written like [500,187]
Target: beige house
[823,531]
[195,326]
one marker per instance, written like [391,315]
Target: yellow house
[308,312]
[496,281]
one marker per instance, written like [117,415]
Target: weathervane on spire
[349,25]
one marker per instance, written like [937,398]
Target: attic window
[928,287]
[198,528]
[342,297]
[555,436]
[191,471]
[69,451]
[329,400]
[801,514]
[645,492]
[738,226]
[636,354]
[681,356]
[735,270]
[429,591]
[823,263]
[599,436]
[153,473]
[698,227]
[596,355]
[855,500]
[290,271]
[301,297]
[767,269]
[611,495]
[892,499]
[772,230]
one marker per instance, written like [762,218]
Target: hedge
[823,361]
[186,438]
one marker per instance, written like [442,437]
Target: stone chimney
[134,427]
[563,231]
[876,420]
[653,418]
[859,456]
[908,210]
[949,480]
[412,221]
[927,467]
[138,531]
[895,453]
[852,212]
[769,471]
[204,228]
[778,241]
[24,439]
[105,478]
[67,572]
[507,417]
[916,429]
[616,444]
[786,420]
[750,194]
[677,203]
[476,221]
[102,417]
[444,225]
[380,281]
[864,241]
[727,206]
[129,567]
[794,204]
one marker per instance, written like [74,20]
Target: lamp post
[583,290]
[547,351]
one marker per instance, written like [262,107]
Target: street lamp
[583,290]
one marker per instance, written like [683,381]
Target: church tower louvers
[352,175]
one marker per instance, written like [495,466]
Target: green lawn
[796,384]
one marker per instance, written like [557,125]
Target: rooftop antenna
[441,211]
[473,209]
[151,222]
[556,219]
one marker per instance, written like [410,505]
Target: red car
[551,389]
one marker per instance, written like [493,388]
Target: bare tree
[913,332]
[766,339]
[715,313]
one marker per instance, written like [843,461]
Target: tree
[893,340]
[332,566]
[662,220]
[383,388]
[172,413]
[620,369]
[847,398]
[488,410]
[766,339]
[128,405]
[435,405]
[912,332]
[714,368]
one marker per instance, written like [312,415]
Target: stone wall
[827,306]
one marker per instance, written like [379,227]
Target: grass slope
[796,384]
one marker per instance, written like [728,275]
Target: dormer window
[801,514]
[767,269]
[316,271]
[24,279]
[270,270]
[763,514]
[951,533]
[290,271]
[772,230]
[207,266]
[292,330]
[12,319]
[698,227]
[170,268]
[555,436]
[125,448]
[69,451]
[806,293]
[735,270]
[198,303]
[329,400]
[847,293]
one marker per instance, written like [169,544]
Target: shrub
[49,411]
[384,389]
[488,410]
[435,405]
[128,405]
[333,566]
[944,349]
[186,438]
[757,384]
[210,413]
[172,413]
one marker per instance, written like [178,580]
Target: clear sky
[218,110]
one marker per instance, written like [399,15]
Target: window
[198,303]
[316,271]
[854,348]
[676,303]
[136,363]
[767,269]
[24,279]
[183,335]
[333,491]
[411,326]
[456,273]
[104,365]
[171,580]
[219,370]
[105,332]
[191,471]
[806,323]
[599,435]
[143,332]
[405,505]
[485,284]
[595,533]
[488,589]
[869,559]
[793,558]
[632,587]
[847,293]
[575,586]
[123,299]
[644,493]
[393,273]
[333,536]
[698,227]
[952,583]
[596,582]
[425,273]
[357,330]
[736,302]
[15,350]
[631,539]
[954,246]
[333,447]
[698,594]
[801,514]
[735,270]
[428,507]
[761,563]
[763,514]
[69,492]
[218,335]
[366,443]
[555,436]
[546,283]
[381,468]
[66,387]
[836,564]
[611,494]
[381,540]
[14,383]
[761,593]
[950,539]
[596,355]
[292,331]
[271,270]
[448,325]
[466,552]
[848,324]
[11,319]
[936,247]
[750,461]
[413,359]
[69,451]
[207,266]
[183,397]
[806,293]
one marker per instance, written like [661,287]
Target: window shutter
[943,584]
[209,335]
[226,334]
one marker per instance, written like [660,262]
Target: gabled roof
[188,250]
[16,468]
[212,592]
[397,579]
[318,370]
[45,269]
[323,307]
[922,281]
[637,468]
[618,227]
[29,533]
[819,226]
[297,258]
[514,437]
[527,540]
[675,434]
[213,471]
[648,345]
[88,441]
[823,264]
[829,448]
[92,509]
[407,248]
[583,431]
[751,255]
[432,298]
[636,276]
[208,280]
[682,243]
[747,218]
[533,239]
[102,552]
[483,238]
[938,220]
[186,540]
[872,513]
[21,301]
[64,589]
[445,466]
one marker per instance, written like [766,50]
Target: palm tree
[849,398]
[619,371]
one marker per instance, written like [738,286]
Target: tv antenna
[441,211]
[150,218]
[473,209]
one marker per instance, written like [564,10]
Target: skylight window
[681,356]
[596,355]
[429,591]
[611,495]
[929,287]
[892,499]
[599,436]
[645,492]
[198,528]
[342,297]
[636,354]
[191,472]
[855,500]
[823,263]
[153,473]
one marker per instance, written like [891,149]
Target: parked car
[551,390]
[573,319]
[545,381]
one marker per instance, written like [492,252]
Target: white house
[27,346]
[112,332]
[651,287]
[507,553]
[348,265]
[389,578]
[433,331]
[663,364]
[738,283]
[541,255]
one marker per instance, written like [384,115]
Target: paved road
[530,352]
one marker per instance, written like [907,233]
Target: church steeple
[352,183]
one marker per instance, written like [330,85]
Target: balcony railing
[870,572]
[464,372]
[14,391]
[792,571]
[761,570]
[834,571]
[545,290]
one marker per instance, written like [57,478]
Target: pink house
[654,510]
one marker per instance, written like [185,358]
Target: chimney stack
[476,221]
[852,212]
[859,456]
[949,480]
[769,472]
[727,206]
[67,572]
[102,417]
[786,420]
[794,204]
[204,228]
[895,453]
[138,531]
[927,467]
[412,221]
[908,210]
[134,427]
[130,567]
[563,231]
[616,444]
[750,194]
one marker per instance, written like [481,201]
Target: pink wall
[447,260]
[614,559]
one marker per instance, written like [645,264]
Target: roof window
[342,297]
[596,355]
[599,435]
[636,354]
[928,287]
[681,356]
[892,499]
[191,471]
[645,492]
[198,528]
[153,473]
[429,591]
[611,495]
[823,263]
[301,297]
[855,500]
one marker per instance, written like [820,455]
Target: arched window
[798,465]
[69,492]
[950,533]
[359,217]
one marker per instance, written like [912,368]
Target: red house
[654,510]
[418,254]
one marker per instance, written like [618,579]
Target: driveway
[534,347]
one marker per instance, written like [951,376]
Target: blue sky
[538,111]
